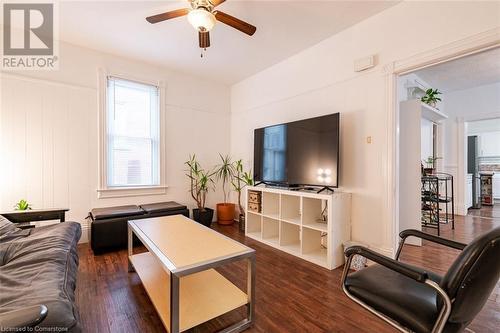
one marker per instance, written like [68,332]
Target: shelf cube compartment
[312,245]
[290,208]
[290,236]
[313,210]
[270,229]
[254,225]
[271,204]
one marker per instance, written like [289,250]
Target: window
[274,153]
[132,134]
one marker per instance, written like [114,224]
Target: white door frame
[458,49]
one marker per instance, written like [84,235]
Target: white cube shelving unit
[291,221]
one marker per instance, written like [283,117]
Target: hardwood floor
[292,295]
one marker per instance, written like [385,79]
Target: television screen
[303,152]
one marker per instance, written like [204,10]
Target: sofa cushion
[114,212]
[41,268]
[411,303]
[162,207]
[6,227]
[9,231]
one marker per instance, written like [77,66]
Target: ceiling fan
[203,17]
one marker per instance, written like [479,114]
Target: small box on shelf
[254,207]
[255,197]
[255,201]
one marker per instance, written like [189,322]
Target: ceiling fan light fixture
[201,19]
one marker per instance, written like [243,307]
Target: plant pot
[241,222]
[225,213]
[428,171]
[204,217]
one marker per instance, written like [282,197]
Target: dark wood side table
[25,217]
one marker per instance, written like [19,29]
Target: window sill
[120,192]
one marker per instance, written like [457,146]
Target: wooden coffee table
[179,276]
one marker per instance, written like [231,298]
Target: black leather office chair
[415,300]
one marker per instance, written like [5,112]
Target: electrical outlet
[368,139]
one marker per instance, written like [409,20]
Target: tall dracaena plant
[225,172]
[200,180]
[241,179]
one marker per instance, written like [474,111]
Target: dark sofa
[39,266]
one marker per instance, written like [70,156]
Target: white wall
[481,102]
[49,131]
[320,80]
[484,126]
[410,151]
[426,139]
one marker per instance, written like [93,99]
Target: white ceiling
[464,73]
[283,29]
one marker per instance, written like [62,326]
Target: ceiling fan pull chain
[203,50]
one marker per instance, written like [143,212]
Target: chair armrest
[412,273]
[435,239]
[27,317]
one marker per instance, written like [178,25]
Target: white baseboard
[386,251]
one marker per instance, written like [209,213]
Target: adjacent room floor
[292,295]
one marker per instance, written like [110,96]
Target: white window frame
[105,191]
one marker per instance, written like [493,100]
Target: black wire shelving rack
[438,202]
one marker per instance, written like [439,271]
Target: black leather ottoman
[164,209]
[108,230]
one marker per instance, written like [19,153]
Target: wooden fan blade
[167,16]
[204,38]
[216,2]
[235,23]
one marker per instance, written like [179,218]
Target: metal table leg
[130,248]
[174,303]
[247,322]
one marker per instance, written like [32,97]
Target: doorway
[483,168]
[432,138]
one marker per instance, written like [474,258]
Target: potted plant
[22,205]
[241,179]
[431,97]
[201,181]
[430,165]
[225,173]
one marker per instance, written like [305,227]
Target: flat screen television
[304,152]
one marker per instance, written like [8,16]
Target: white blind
[133,134]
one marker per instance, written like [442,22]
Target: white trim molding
[103,190]
[473,44]
[121,192]
[483,41]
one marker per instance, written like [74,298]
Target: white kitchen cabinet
[496,186]
[468,191]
